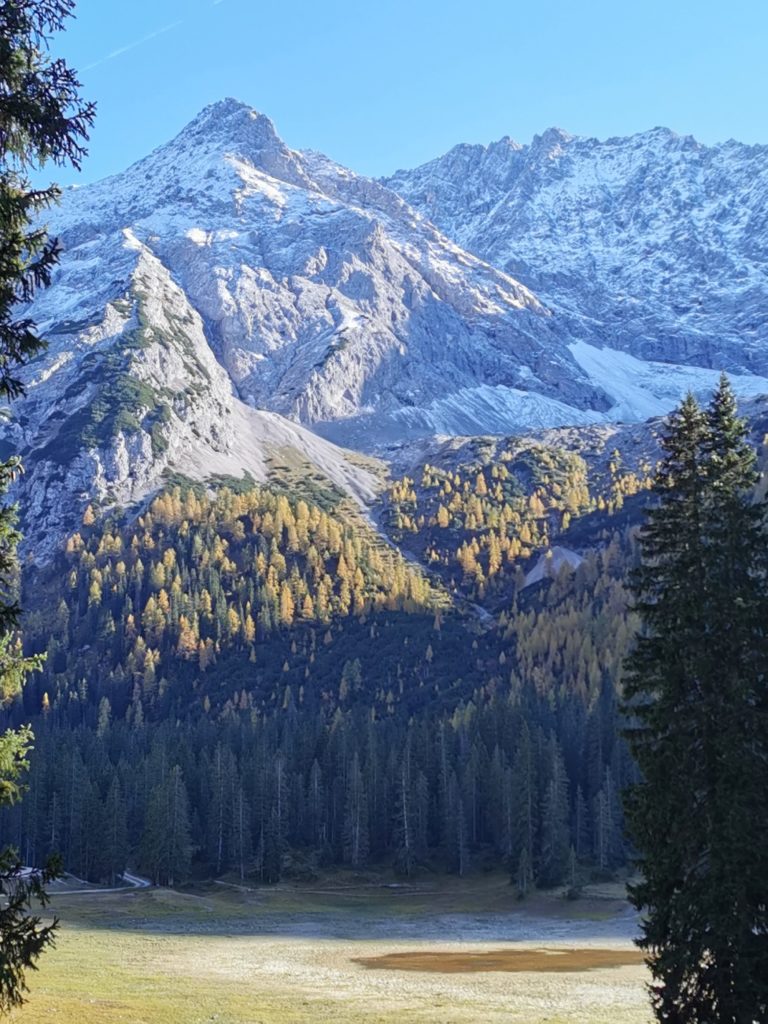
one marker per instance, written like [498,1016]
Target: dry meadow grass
[301,955]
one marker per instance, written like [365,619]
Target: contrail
[132,46]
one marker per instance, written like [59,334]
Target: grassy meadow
[344,951]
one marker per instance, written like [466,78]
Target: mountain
[323,295]
[330,658]
[129,390]
[659,242]
[226,288]
[231,306]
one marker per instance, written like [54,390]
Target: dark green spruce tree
[696,697]
[41,119]
[167,849]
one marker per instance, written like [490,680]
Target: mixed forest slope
[274,676]
[296,691]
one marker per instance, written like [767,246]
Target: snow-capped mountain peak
[226,276]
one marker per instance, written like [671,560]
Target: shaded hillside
[301,695]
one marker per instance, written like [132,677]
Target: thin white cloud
[138,42]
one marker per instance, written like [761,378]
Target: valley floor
[233,956]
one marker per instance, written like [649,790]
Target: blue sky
[379,86]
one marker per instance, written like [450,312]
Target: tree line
[510,781]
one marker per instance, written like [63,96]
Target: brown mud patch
[513,960]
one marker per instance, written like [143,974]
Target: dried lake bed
[349,951]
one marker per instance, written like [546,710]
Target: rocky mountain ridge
[660,241]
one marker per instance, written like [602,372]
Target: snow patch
[198,236]
[642,390]
[494,409]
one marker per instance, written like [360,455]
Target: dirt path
[132,882]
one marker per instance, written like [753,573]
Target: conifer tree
[115,838]
[242,850]
[555,833]
[405,860]
[41,118]
[697,700]
[355,817]
[167,841]
[523,784]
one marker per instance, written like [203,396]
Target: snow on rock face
[323,294]
[642,390]
[661,242]
[116,402]
[492,410]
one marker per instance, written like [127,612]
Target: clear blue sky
[384,85]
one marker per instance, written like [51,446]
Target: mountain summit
[323,294]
